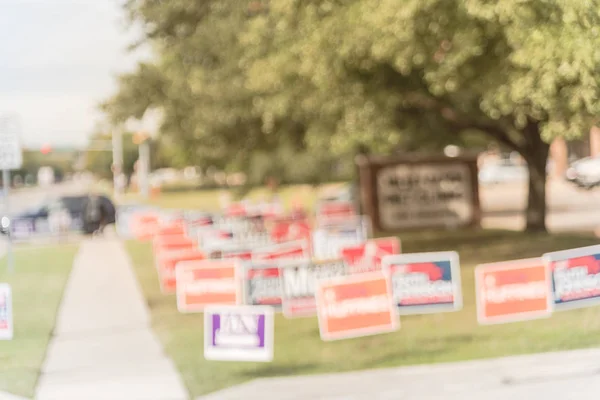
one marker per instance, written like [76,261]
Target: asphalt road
[570,208]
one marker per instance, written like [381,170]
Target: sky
[58,60]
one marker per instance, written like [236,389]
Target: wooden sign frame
[370,166]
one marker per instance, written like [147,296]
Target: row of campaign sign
[417,283]
[239,270]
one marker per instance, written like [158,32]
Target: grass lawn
[209,199]
[422,338]
[37,285]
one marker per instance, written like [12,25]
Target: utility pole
[142,140]
[117,150]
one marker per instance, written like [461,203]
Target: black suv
[75,206]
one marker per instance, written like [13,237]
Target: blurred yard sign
[125,213]
[238,333]
[575,277]
[167,263]
[299,281]
[284,231]
[6,317]
[425,282]
[513,291]
[419,192]
[207,282]
[355,306]
[329,238]
[261,284]
[368,256]
[293,250]
[335,210]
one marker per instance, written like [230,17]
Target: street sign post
[11,157]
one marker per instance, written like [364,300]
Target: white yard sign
[6,317]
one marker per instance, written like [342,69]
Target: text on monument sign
[424,195]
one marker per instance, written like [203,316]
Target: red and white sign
[367,257]
[513,291]
[172,242]
[166,267]
[285,231]
[236,210]
[173,228]
[575,277]
[261,284]
[144,225]
[283,251]
[194,225]
[298,284]
[228,249]
[335,210]
[208,282]
[6,312]
[425,282]
[210,236]
[355,306]
[236,254]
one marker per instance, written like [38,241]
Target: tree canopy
[234,78]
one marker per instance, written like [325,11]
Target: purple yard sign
[238,333]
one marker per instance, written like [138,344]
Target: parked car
[503,171]
[75,206]
[585,172]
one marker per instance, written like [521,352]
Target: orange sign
[144,226]
[513,291]
[173,228]
[168,244]
[172,242]
[202,283]
[357,305]
[166,266]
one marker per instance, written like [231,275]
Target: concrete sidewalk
[563,375]
[103,347]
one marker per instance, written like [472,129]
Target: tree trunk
[535,151]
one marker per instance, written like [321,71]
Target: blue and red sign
[575,277]
[424,282]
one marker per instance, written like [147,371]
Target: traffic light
[46,149]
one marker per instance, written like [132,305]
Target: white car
[585,172]
[503,172]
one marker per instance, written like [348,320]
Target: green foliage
[241,80]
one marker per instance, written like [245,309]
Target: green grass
[209,199]
[37,285]
[431,338]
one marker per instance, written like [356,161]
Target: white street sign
[11,156]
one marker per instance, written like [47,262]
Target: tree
[237,79]
[520,72]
